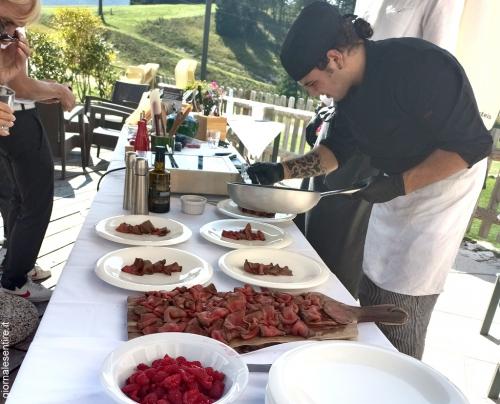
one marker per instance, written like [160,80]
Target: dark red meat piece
[144,228]
[256,268]
[245,234]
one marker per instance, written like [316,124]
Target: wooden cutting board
[343,332]
[388,314]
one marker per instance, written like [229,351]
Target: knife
[173,163]
[259,367]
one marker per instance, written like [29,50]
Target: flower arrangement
[208,98]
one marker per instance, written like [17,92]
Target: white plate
[307,273]
[194,269]
[354,373]
[179,233]
[229,208]
[275,237]
[122,361]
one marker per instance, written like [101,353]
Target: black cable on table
[106,173]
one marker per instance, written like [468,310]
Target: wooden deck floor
[72,199]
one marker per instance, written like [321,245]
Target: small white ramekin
[193,204]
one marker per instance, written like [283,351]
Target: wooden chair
[128,94]
[103,131]
[61,142]
[106,117]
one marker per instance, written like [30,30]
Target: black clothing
[6,190]
[414,98]
[336,227]
[31,173]
[382,188]
[266,173]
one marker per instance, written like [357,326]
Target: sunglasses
[4,37]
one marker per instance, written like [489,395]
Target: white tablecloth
[86,317]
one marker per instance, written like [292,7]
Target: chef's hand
[266,173]
[382,188]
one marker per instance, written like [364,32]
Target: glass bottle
[159,184]
[141,144]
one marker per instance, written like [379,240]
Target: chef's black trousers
[27,194]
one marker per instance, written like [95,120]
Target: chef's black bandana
[309,38]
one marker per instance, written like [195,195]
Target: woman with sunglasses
[27,183]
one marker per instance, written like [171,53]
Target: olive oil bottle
[159,184]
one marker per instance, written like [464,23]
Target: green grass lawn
[166,33]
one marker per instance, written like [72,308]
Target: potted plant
[207,101]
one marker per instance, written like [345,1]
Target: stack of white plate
[354,373]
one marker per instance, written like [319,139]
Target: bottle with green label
[159,184]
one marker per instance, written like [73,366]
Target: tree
[288,86]
[237,18]
[87,54]
[46,61]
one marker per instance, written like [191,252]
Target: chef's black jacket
[414,98]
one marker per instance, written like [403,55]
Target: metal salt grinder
[140,187]
[128,192]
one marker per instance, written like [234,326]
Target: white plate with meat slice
[229,208]
[237,233]
[306,273]
[176,232]
[195,270]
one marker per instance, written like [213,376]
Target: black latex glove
[382,188]
[266,173]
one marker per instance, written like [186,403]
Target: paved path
[454,345]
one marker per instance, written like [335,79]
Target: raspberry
[172,382]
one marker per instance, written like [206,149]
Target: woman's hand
[66,97]
[63,94]
[13,58]
[7,119]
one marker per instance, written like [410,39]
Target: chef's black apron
[336,226]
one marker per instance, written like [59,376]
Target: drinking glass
[7,96]
[213,137]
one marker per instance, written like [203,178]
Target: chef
[408,105]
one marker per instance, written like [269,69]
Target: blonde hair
[25,17]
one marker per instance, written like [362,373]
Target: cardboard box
[206,123]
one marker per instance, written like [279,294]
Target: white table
[86,317]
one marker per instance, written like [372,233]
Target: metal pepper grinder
[140,187]
[128,193]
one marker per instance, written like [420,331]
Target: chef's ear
[336,57]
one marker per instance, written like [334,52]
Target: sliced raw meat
[256,268]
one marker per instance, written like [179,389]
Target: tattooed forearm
[306,166]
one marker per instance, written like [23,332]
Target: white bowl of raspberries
[171,368]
